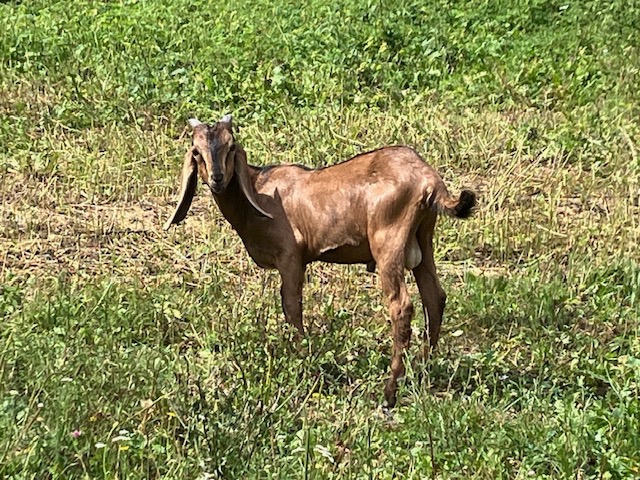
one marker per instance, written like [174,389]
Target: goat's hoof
[386,411]
[390,400]
[371,267]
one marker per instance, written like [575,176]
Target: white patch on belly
[347,242]
[297,235]
[412,254]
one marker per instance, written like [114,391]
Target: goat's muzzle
[217,183]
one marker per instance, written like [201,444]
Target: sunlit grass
[130,352]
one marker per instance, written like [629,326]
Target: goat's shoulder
[283,168]
[280,174]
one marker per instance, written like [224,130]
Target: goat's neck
[233,204]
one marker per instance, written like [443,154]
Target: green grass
[168,353]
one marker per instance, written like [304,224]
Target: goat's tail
[461,207]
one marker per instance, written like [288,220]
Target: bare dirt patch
[123,239]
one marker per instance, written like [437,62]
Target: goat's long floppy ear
[187,189]
[242,172]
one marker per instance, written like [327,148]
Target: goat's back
[396,166]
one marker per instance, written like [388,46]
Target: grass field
[128,352]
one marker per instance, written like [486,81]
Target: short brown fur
[378,208]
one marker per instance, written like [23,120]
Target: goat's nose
[217,185]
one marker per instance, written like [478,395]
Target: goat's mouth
[216,189]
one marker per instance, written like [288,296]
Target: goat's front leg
[292,274]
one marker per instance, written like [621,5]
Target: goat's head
[214,152]
[217,158]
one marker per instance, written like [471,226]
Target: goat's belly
[347,254]
[362,254]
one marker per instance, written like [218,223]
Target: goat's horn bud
[226,119]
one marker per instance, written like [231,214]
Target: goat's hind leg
[391,270]
[431,293]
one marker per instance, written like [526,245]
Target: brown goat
[378,208]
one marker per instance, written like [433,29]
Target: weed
[128,352]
